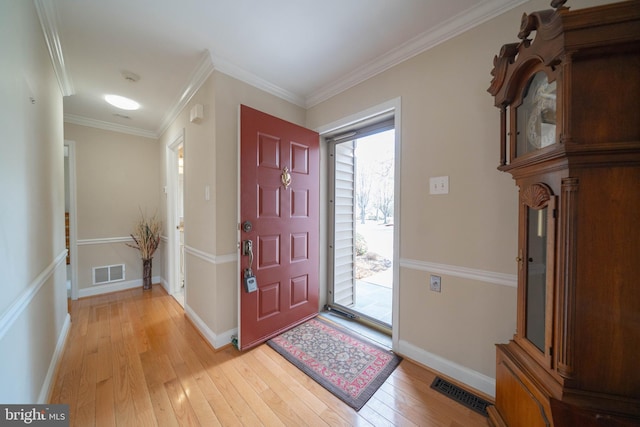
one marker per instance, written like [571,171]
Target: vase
[146,274]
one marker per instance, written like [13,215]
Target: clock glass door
[536,276]
[536,116]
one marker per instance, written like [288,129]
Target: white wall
[33,309]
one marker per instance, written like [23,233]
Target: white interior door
[175,216]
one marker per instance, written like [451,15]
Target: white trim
[47,386]
[225,259]
[49,23]
[502,279]
[423,42]
[114,127]
[213,259]
[216,341]
[113,287]
[200,254]
[165,285]
[198,77]
[384,107]
[173,220]
[394,105]
[14,311]
[397,215]
[238,73]
[447,367]
[73,217]
[104,241]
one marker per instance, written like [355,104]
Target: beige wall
[449,126]
[199,214]
[33,309]
[117,178]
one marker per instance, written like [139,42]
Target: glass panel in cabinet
[536,276]
[536,116]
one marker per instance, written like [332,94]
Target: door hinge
[550,351]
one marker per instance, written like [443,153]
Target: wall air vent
[108,274]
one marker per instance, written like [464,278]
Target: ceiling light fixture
[122,102]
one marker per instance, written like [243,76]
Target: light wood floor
[133,359]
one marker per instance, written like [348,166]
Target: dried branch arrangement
[146,236]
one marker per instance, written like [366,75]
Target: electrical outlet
[434,283]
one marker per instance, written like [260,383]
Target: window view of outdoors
[374,225]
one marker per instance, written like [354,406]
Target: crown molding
[49,23]
[423,42]
[236,72]
[200,74]
[100,124]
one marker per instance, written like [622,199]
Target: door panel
[285,224]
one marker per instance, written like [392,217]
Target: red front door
[279,185]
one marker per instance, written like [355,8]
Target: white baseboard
[45,391]
[164,284]
[113,287]
[216,341]
[451,369]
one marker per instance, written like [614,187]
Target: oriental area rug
[350,367]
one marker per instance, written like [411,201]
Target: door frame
[394,105]
[173,234]
[73,220]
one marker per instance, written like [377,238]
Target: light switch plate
[439,185]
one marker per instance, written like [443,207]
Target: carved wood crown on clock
[547,27]
[537,195]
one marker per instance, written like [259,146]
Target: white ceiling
[301,50]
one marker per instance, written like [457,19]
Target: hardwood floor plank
[283,386]
[162,407]
[86,406]
[278,367]
[105,410]
[240,408]
[333,404]
[369,414]
[413,405]
[124,407]
[249,375]
[181,404]
[198,401]
[252,396]
[282,409]
[134,359]
[389,413]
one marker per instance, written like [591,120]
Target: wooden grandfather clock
[569,100]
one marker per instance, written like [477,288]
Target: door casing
[173,220]
[394,104]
